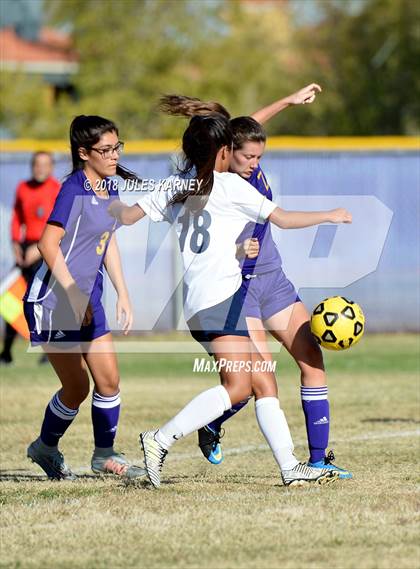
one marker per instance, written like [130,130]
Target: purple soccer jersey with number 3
[89,227]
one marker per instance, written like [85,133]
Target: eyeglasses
[109,151]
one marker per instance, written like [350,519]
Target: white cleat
[302,475]
[154,456]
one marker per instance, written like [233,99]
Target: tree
[131,51]
[367,63]
[242,54]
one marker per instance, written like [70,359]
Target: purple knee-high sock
[105,415]
[57,420]
[217,423]
[317,417]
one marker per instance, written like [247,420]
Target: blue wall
[375,261]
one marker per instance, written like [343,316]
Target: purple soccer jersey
[269,257]
[89,228]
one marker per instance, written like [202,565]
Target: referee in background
[34,201]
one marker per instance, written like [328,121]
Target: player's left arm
[302,97]
[298,219]
[112,262]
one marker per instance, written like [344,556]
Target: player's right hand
[81,306]
[249,248]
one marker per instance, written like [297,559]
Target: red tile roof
[52,52]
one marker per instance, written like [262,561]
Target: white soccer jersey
[207,237]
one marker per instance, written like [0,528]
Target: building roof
[52,53]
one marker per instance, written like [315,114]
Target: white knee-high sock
[275,429]
[203,409]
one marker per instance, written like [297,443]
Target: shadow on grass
[231,478]
[182,479]
[22,475]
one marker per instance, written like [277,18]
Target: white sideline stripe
[360,438]
[251,448]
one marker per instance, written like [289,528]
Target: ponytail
[208,131]
[179,105]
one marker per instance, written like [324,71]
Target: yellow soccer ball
[337,323]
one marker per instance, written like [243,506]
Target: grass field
[236,515]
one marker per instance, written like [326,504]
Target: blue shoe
[209,443]
[327,463]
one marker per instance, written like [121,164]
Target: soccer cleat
[52,463]
[154,456]
[209,443]
[117,464]
[302,474]
[327,464]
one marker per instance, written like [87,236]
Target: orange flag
[12,289]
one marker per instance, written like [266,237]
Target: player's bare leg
[236,355]
[60,413]
[205,407]
[272,420]
[291,327]
[209,436]
[100,358]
